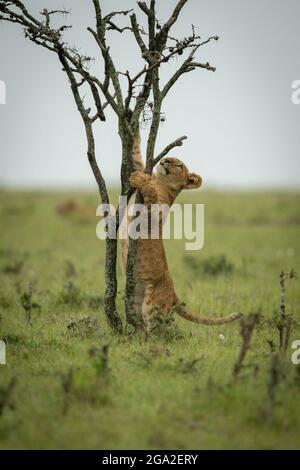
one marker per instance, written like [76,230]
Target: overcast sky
[242,128]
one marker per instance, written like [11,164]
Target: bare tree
[157,48]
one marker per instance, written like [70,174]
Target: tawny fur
[155,287]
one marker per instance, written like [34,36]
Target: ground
[69,383]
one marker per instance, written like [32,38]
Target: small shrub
[69,268]
[13,339]
[99,358]
[27,302]
[84,326]
[189,366]
[71,295]
[212,266]
[13,268]
[164,326]
[66,380]
[94,302]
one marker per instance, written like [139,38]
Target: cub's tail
[203,320]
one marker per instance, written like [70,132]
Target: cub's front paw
[138,179]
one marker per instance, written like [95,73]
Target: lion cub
[155,286]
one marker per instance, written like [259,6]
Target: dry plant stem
[248,325]
[282,306]
[288,330]
[285,322]
[66,383]
[273,378]
[26,300]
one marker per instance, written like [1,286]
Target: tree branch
[163,34]
[150,12]
[137,34]
[176,143]
[188,65]
[97,100]
[110,70]
[158,98]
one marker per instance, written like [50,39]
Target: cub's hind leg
[160,295]
[147,307]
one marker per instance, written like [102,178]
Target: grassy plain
[60,390]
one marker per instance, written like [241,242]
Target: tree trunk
[126,170]
[110,309]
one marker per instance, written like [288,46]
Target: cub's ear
[193,181]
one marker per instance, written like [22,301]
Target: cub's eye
[179,165]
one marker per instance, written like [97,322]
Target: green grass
[175,392]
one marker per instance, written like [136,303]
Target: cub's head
[174,174]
